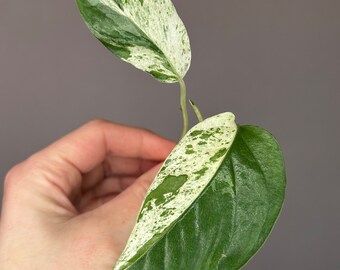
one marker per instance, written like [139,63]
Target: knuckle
[147,131]
[12,175]
[19,173]
[97,123]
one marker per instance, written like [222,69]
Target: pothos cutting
[218,194]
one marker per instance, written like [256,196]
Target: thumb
[137,191]
[122,211]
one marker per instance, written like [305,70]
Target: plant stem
[184,110]
[196,110]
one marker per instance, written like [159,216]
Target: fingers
[118,211]
[116,166]
[128,166]
[49,182]
[118,174]
[94,177]
[122,174]
[88,146]
[140,187]
[125,206]
[63,163]
[96,202]
[111,186]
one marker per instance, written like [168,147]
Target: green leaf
[213,203]
[146,33]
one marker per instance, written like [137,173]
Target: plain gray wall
[273,63]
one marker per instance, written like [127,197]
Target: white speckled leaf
[146,33]
[183,177]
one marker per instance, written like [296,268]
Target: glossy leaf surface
[146,33]
[183,177]
[226,222]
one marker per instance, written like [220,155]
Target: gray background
[273,63]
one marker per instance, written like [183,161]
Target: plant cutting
[218,194]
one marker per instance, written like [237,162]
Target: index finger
[88,146]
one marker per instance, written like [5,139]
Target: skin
[73,204]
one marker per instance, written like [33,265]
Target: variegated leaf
[184,175]
[212,204]
[146,33]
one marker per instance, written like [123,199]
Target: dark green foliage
[232,218]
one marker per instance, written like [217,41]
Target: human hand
[73,205]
